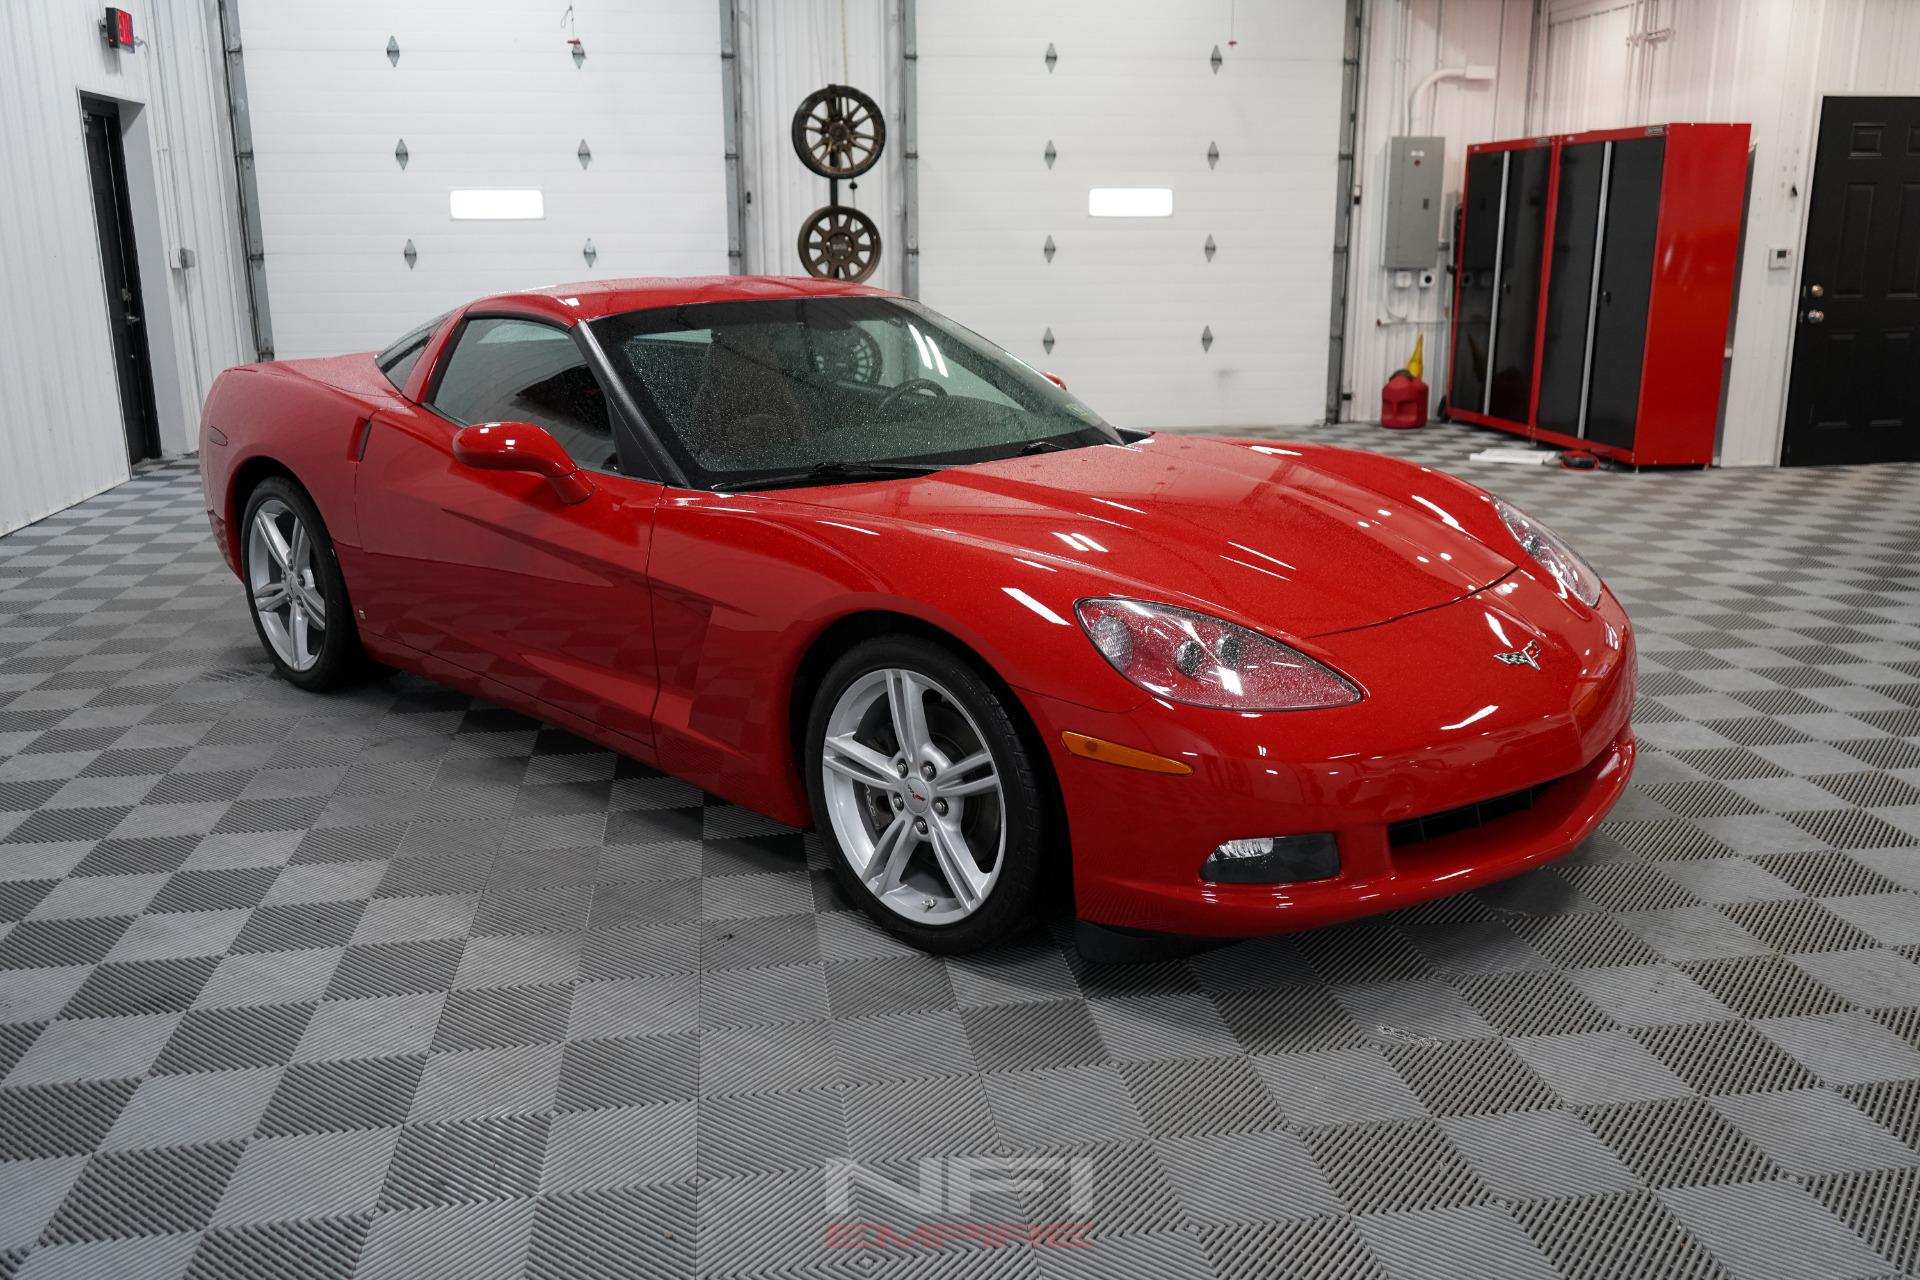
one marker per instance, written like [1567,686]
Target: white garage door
[487,96]
[1133,101]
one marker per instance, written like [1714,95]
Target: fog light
[1273,860]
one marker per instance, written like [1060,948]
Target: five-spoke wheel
[285,583]
[294,588]
[927,792]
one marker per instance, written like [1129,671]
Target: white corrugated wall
[61,437]
[1405,40]
[486,94]
[1768,63]
[1134,101]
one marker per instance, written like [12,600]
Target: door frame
[1803,217]
[164,284]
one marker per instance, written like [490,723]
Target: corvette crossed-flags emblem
[1528,656]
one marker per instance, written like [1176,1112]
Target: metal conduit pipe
[1477,74]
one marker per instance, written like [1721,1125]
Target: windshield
[759,389]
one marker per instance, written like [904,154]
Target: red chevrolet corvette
[830,556]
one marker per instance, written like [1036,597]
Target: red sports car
[826,554]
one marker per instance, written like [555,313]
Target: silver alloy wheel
[913,796]
[283,582]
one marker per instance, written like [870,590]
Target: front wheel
[928,799]
[294,589]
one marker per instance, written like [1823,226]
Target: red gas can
[1403,401]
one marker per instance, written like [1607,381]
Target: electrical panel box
[1414,169]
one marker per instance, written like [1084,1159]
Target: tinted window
[397,361]
[522,371]
[736,388]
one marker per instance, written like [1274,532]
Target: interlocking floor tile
[466,1162]
[1387,1168]
[614,1234]
[37,1121]
[577,984]
[235,1038]
[1682,1142]
[320,1248]
[141,1193]
[1607,1237]
[325,1097]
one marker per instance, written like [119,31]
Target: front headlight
[1568,567]
[1189,657]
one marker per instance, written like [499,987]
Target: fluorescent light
[1130,202]
[496,205]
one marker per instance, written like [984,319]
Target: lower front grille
[1465,818]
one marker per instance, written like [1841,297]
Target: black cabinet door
[1626,288]
[1479,247]
[1855,389]
[1517,294]
[1570,287]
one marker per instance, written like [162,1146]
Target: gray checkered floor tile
[392,983]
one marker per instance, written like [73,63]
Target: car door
[490,570]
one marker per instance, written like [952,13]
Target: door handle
[132,319]
[1816,317]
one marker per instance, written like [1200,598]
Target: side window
[504,370]
[397,361]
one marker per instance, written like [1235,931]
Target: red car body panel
[671,624]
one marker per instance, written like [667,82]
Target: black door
[1855,392]
[126,317]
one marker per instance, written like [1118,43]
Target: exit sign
[119,29]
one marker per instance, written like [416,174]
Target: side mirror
[521,446]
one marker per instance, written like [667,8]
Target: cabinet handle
[1816,317]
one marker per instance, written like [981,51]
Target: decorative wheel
[839,132]
[840,243]
[294,588]
[927,793]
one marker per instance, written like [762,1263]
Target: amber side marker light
[1126,757]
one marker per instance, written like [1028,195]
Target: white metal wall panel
[61,437]
[789,48]
[1133,102]
[486,95]
[1767,63]
[1403,41]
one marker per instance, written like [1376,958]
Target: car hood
[1302,539]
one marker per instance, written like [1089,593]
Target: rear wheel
[926,795]
[295,591]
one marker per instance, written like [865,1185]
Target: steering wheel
[911,385]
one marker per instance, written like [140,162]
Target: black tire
[338,657]
[1020,804]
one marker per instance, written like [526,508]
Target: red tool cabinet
[1594,278]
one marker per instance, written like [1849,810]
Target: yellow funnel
[1413,365]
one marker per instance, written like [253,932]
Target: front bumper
[1442,726]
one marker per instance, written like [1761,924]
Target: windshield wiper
[833,471]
